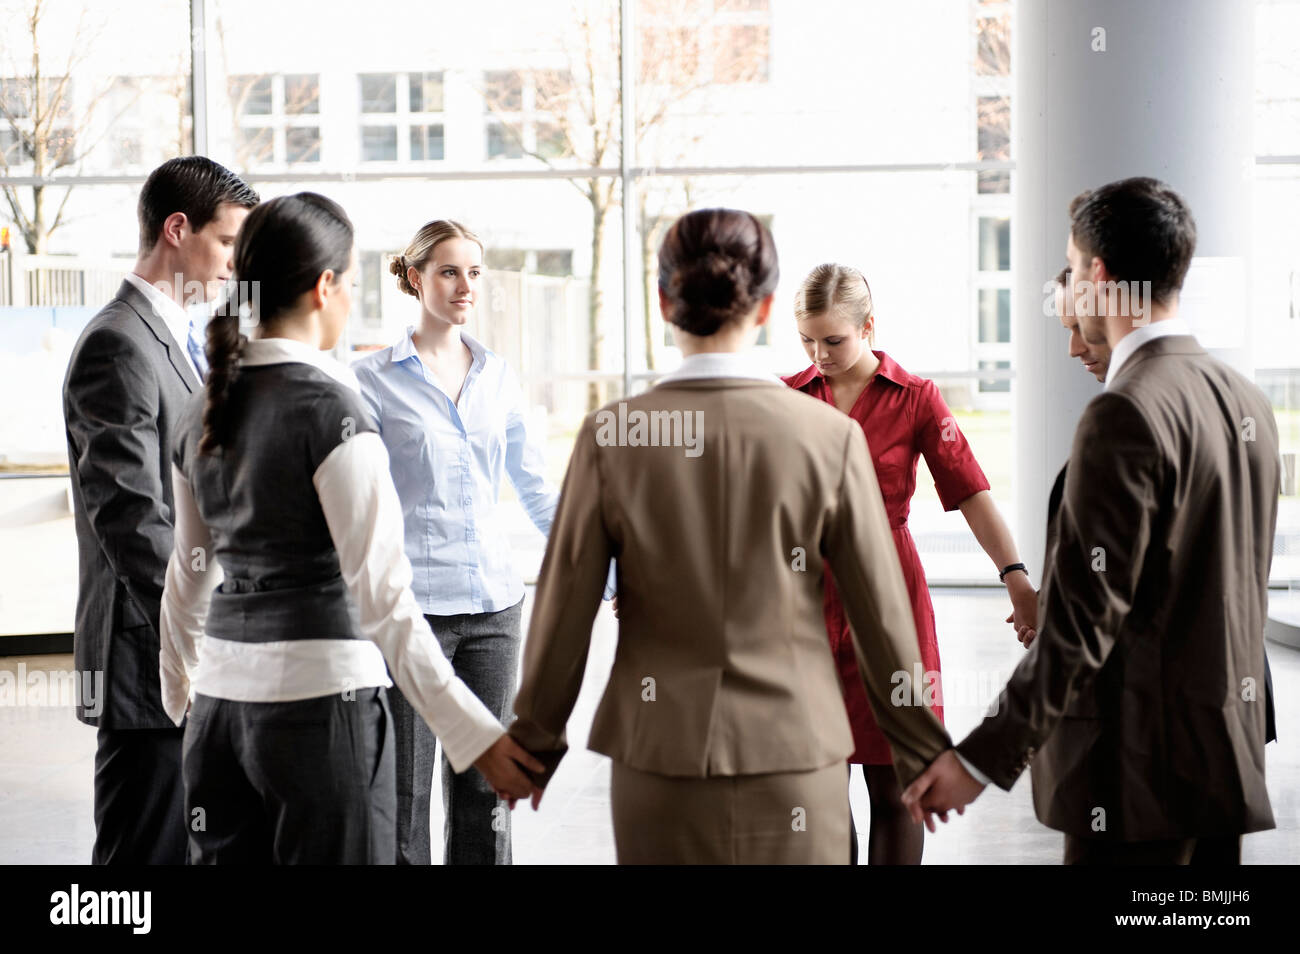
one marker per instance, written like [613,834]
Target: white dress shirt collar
[1140,336]
[720,364]
[173,316]
[260,351]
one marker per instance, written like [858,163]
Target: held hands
[945,785]
[1024,606]
[500,765]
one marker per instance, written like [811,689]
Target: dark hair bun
[713,290]
[715,266]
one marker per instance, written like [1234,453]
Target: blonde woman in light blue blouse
[452,415]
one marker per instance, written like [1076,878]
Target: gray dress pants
[484,650]
[139,798]
[303,782]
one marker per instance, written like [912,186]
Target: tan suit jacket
[723,665]
[1142,702]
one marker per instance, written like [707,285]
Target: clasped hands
[944,786]
[503,765]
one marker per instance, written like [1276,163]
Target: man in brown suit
[1142,701]
[1095,357]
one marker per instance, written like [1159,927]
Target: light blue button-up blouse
[447,459]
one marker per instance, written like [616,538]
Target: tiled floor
[47,758]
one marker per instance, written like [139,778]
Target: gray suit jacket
[127,382]
[1142,702]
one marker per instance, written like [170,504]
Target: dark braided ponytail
[224,348]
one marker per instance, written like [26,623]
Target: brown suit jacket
[723,666]
[1144,694]
[1053,507]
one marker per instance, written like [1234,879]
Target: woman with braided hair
[283,495]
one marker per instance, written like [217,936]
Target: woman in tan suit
[720,492]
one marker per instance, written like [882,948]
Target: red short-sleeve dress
[902,416]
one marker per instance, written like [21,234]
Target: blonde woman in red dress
[903,417]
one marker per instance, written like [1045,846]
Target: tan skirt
[799,818]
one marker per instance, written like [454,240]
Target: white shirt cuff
[974,772]
[364,516]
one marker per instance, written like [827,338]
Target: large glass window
[378,92]
[397,110]
[251,95]
[426,142]
[378,143]
[302,94]
[426,92]
[302,144]
[503,142]
[995,315]
[994,244]
[532,114]
[277,118]
[517,131]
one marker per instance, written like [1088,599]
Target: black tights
[894,839]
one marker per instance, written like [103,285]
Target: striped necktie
[194,345]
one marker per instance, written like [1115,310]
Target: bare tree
[247,92]
[993,113]
[993,45]
[259,149]
[656,210]
[577,111]
[48,129]
[36,109]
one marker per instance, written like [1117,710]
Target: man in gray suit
[129,377]
[1142,700]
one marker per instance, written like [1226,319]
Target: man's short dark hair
[194,185]
[1141,228]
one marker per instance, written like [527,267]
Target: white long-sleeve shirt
[364,517]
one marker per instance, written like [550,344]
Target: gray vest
[282,578]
